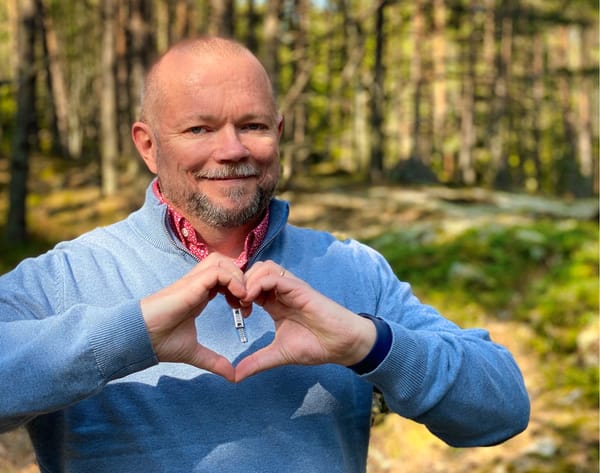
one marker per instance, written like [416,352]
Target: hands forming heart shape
[310,329]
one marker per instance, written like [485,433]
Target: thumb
[261,360]
[209,360]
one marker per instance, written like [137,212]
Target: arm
[466,389]
[52,356]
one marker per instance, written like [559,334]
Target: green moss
[542,266]
[544,274]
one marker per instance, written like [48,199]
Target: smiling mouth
[229,178]
[228,173]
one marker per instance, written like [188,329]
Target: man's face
[217,141]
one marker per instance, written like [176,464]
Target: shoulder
[334,254]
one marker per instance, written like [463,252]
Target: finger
[265,268]
[269,277]
[217,275]
[245,307]
[262,360]
[232,286]
[209,360]
[188,296]
[228,274]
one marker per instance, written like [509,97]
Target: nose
[229,146]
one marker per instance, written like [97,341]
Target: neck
[226,241]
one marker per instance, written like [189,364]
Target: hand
[170,313]
[310,328]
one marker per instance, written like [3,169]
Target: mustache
[228,171]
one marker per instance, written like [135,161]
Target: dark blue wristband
[383,343]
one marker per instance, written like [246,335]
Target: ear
[144,141]
[280,125]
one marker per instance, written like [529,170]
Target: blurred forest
[458,137]
[495,93]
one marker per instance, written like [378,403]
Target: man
[119,350]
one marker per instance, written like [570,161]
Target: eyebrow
[208,118]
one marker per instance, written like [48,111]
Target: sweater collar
[192,240]
[144,221]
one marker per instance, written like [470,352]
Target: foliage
[11,254]
[531,66]
[543,273]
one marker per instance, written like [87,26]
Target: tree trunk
[466,161]
[162,25]
[298,152]
[439,87]
[582,92]
[122,70]
[142,50]
[568,172]
[270,54]
[498,129]
[56,78]
[182,18]
[253,21]
[416,78]
[108,111]
[12,10]
[23,137]
[353,141]
[537,90]
[376,164]
[222,18]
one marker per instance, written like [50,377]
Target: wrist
[380,348]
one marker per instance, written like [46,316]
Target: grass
[544,274]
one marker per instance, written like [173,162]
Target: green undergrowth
[12,253]
[543,274]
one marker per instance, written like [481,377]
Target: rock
[468,273]
[588,345]
[544,447]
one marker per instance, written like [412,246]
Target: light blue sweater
[77,367]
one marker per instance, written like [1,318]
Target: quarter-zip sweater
[78,369]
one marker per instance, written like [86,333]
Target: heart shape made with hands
[286,299]
[310,328]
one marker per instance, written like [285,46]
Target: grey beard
[200,206]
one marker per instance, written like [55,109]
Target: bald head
[202,52]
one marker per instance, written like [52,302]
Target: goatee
[199,205]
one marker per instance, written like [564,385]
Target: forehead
[227,76]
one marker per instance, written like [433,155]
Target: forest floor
[563,432]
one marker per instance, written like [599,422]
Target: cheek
[184,157]
[266,152]
[272,173]
[270,160]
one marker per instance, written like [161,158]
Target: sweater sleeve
[465,388]
[52,356]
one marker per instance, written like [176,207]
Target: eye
[197,130]
[255,127]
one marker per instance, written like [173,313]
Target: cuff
[380,350]
[120,341]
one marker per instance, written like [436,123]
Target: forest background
[458,137]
